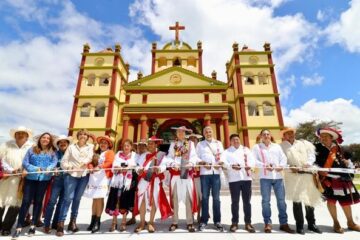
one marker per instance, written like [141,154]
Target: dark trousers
[34,191]
[210,183]
[299,216]
[243,187]
[9,219]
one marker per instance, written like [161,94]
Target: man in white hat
[180,161]
[57,189]
[299,183]
[209,152]
[12,154]
[150,194]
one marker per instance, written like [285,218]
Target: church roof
[176,45]
[212,82]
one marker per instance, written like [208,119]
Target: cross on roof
[177,27]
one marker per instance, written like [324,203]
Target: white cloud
[38,75]
[345,31]
[286,86]
[314,80]
[339,110]
[219,23]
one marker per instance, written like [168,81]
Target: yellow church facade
[177,93]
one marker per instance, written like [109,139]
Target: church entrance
[165,132]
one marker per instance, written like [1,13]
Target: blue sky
[316,48]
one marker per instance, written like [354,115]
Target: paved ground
[322,216]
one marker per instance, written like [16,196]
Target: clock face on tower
[175,79]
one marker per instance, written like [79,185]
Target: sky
[315,43]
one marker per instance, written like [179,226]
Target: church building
[177,93]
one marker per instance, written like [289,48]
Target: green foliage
[307,130]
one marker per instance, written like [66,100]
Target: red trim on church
[112,93]
[77,91]
[241,100]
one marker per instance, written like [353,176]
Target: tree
[354,149]
[307,130]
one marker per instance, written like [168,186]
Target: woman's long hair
[37,149]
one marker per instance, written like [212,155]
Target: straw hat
[107,139]
[21,129]
[336,134]
[182,128]
[198,136]
[287,129]
[62,137]
[155,139]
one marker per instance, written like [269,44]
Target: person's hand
[247,168]
[188,165]
[279,169]
[202,163]
[269,168]
[140,171]
[294,169]
[24,173]
[207,166]
[236,167]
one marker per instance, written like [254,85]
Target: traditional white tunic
[171,161]
[12,157]
[123,180]
[300,187]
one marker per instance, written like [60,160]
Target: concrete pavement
[322,216]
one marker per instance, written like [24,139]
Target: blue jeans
[210,182]
[74,189]
[34,192]
[57,191]
[265,188]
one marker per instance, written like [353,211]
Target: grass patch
[357,186]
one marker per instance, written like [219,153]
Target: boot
[2,210]
[72,225]
[92,223]
[60,229]
[96,227]
[9,220]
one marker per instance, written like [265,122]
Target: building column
[207,119]
[218,133]
[144,127]
[225,120]
[125,132]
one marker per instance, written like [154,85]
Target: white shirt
[171,160]
[272,154]
[299,146]
[12,155]
[140,158]
[76,157]
[208,151]
[242,156]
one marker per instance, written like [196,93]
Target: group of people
[64,170]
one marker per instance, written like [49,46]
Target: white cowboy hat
[183,128]
[62,137]
[198,136]
[142,141]
[287,129]
[155,139]
[20,129]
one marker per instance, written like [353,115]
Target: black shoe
[219,227]
[16,234]
[300,231]
[96,227]
[202,227]
[54,225]
[5,232]
[92,223]
[31,231]
[314,228]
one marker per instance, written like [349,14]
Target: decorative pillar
[136,128]
[207,119]
[86,49]
[153,60]
[218,133]
[225,120]
[125,132]
[200,51]
[144,127]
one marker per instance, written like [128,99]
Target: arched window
[85,110]
[191,61]
[104,80]
[90,80]
[249,78]
[268,109]
[263,79]
[100,109]
[177,62]
[162,62]
[231,114]
[253,109]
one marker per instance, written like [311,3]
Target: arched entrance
[165,132]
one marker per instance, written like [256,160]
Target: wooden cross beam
[177,28]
